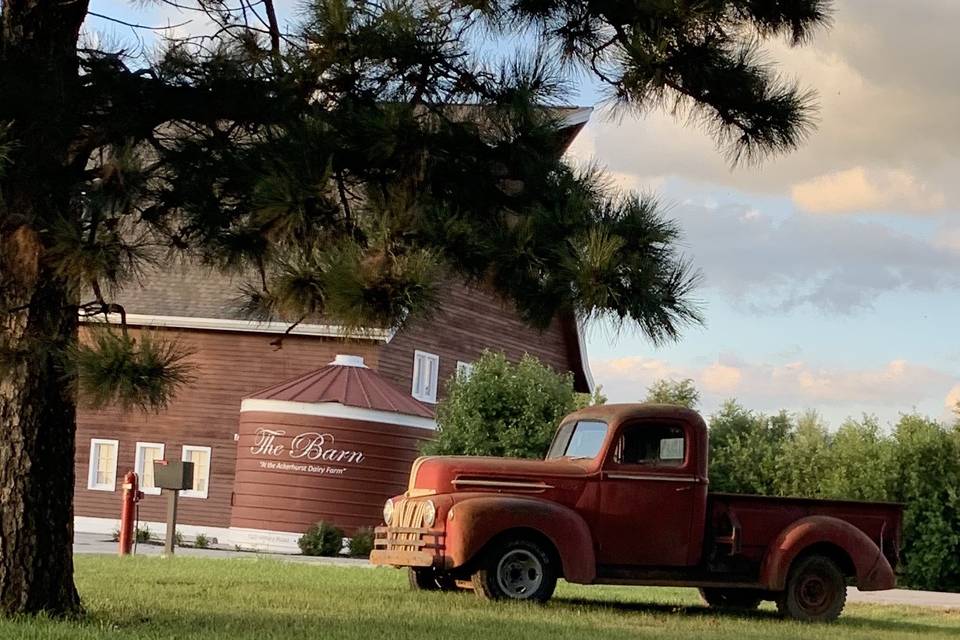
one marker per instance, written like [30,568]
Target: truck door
[649,494]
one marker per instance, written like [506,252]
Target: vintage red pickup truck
[622,498]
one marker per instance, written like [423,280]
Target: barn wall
[232,365]
[229,366]
[467,321]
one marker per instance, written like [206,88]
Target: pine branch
[134,25]
[277,343]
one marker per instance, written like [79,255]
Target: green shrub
[744,449]
[927,480]
[201,541]
[678,392]
[115,536]
[863,465]
[143,534]
[361,544]
[177,538]
[805,458]
[502,409]
[322,539]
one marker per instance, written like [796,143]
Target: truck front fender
[475,521]
[832,535]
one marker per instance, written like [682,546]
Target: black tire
[732,599]
[429,579]
[816,590]
[516,569]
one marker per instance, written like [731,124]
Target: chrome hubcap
[519,574]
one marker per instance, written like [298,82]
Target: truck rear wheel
[516,569]
[816,590]
[429,579]
[737,599]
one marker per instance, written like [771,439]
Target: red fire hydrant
[131,496]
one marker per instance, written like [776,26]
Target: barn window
[200,457]
[147,452]
[425,373]
[103,465]
[464,370]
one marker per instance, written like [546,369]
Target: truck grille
[407,531]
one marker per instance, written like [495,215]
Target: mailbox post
[172,476]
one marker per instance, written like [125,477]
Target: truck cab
[622,497]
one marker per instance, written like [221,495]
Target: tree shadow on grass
[160,622]
[275,625]
[758,615]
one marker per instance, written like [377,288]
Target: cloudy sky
[831,276]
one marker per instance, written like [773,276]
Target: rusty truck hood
[446,474]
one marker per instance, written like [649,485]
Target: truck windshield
[581,439]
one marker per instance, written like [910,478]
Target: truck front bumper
[408,547]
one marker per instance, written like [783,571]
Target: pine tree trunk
[39,84]
[37,433]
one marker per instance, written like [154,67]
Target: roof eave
[249,326]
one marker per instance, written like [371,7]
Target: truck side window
[582,439]
[651,444]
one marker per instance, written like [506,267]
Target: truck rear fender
[478,520]
[848,546]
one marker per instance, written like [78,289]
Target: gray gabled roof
[183,289]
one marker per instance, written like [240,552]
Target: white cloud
[721,379]
[834,264]
[886,110]
[952,401]
[861,189]
[792,385]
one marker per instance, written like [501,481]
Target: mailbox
[173,474]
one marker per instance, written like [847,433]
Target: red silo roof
[349,382]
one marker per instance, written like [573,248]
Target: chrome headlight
[388,511]
[429,513]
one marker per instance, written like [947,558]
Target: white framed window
[426,368]
[200,457]
[102,475]
[464,370]
[147,452]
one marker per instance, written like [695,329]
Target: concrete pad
[906,597]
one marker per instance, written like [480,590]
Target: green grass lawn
[156,598]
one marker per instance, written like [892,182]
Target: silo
[332,445]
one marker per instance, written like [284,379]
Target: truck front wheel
[816,590]
[516,569]
[738,599]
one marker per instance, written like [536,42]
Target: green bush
[863,465]
[201,541]
[745,448]
[322,539]
[142,534]
[805,458]
[177,538]
[927,479]
[679,392]
[361,544]
[502,409]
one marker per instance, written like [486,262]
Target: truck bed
[761,518]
